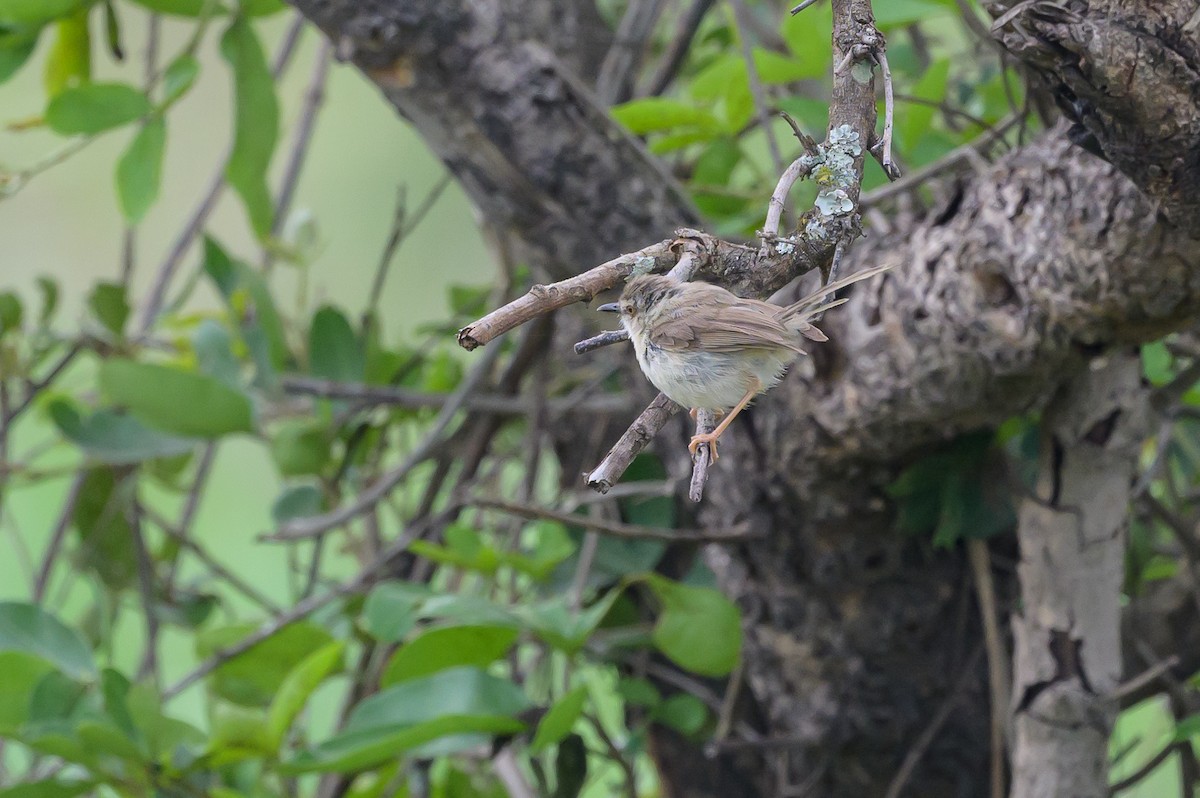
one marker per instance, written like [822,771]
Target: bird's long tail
[796,315]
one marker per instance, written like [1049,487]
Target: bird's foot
[705,437]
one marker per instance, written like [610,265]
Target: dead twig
[544,298]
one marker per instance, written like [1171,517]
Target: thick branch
[1128,73]
[1067,636]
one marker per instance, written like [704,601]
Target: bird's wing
[726,325]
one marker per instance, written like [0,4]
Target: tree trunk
[1072,536]
[862,653]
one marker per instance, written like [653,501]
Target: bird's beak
[610,307]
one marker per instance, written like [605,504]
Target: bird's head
[646,298]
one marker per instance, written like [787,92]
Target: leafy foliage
[480,632]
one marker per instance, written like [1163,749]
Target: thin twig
[65,516]
[607,338]
[314,96]
[402,227]
[1145,770]
[613,528]
[797,9]
[997,657]
[37,387]
[145,579]
[211,563]
[889,109]
[775,208]
[625,55]
[489,403]
[301,529]
[951,159]
[706,422]
[195,223]
[1145,678]
[757,91]
[311,604]
[921,745]
[616,754]
[677,48]
[636,438]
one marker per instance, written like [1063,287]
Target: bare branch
[492,403]
[636,438]
[545,298]
[301,529]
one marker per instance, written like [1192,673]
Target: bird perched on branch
[709,349]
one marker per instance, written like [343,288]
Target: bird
[707,348]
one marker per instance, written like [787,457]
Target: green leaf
[446,647]
[101,519]
[355,751]
[389,612]
[557,723]
[179,77]
[238,732]
[252,678]
[22,672]
[213,346]
[256,123]
[297,501]
[30,629]
[107,302]
[113,438]
[571,767]
[300,447]
[651,114]
[333,349]
[250,300]
[139,171]
[1157,363]
[638,692]
[261,8]
[917,117]
[809,37]
[33,13]
[1187,728]
[49,291]
[450,702]
[15,48]
[95,107]
[176,401]
[698,628]
[775,68]
[11,312]
[183,8]
[48,788]
[298,686]
[684,713]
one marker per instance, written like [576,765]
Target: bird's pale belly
[711,380]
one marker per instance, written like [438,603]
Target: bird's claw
[702,438]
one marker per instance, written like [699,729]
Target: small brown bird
[707,348]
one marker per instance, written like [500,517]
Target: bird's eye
[627,308]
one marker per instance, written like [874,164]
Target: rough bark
[1072,536]
[1032,266]
[525,137]
[1128,72]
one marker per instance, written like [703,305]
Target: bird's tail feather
[811,305]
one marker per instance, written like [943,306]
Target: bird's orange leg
[711,437]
